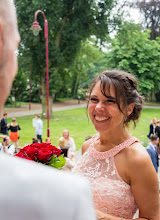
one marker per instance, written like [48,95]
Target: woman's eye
[110,101]
[93,99]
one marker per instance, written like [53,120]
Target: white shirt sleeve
[11,149]
[72,145]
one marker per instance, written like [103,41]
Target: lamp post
[36,28]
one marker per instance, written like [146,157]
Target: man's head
[37,116]
[5,115]
[6,141]
[154,139]
[9,40]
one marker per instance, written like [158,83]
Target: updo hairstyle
[125,85]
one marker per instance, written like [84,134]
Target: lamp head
[35,28]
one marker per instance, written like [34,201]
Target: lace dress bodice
[111,194]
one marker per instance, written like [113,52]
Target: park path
[37,108]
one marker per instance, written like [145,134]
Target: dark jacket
[151,131]
[4,129]
[158,131]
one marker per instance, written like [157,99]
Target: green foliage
[133,51]
[70,24]
[57,162]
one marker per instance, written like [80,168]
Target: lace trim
[112,152]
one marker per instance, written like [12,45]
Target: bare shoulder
[138,161]
[136,154]
[85,145]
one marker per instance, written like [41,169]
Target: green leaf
[57,162]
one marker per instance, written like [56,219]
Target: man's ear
[130,108]
[1,42]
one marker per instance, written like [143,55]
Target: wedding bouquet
[44,153]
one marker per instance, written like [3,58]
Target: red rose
[20,154]
[30,152]
[44,155]
[55,150]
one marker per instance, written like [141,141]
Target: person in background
[7,147]
[69,143]
[39,128]
[35,140]
[28,190]
[119,169]
[14,135]
[152,127]
[48,140]
[152,151]
[69,163]
[4,125]
[158,134]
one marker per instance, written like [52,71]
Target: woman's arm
[101,216]
[144,183]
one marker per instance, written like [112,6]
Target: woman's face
[104,112]
[65,134]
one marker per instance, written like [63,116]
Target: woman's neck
[113,139]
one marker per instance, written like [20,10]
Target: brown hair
[154,137]
[125,85]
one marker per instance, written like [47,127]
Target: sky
[131,14]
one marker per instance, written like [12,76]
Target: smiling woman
[116,164]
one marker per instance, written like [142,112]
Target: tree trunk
[44,100]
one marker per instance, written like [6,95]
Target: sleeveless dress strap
[112,152]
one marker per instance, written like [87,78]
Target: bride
[119,169]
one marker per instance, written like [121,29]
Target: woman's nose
[100,106]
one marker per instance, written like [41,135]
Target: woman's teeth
[101,118]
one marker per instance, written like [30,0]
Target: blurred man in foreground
[30,191]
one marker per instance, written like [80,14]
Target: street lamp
[36,28]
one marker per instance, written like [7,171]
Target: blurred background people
[152,127]
[4,125]
[35,140]
[69,143]
[69,161]
[39,128]
[6,147]
[48,140]
[14,135]
[152,151]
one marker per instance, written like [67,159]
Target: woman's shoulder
[85,145]
[136,155]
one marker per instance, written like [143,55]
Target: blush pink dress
[111,194]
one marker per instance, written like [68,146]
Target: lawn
[77,123]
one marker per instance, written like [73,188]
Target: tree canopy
[133,51]
[70,23]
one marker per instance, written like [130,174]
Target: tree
[71,22]
[133,51]
[151,11]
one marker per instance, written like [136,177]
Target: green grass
[76,122]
